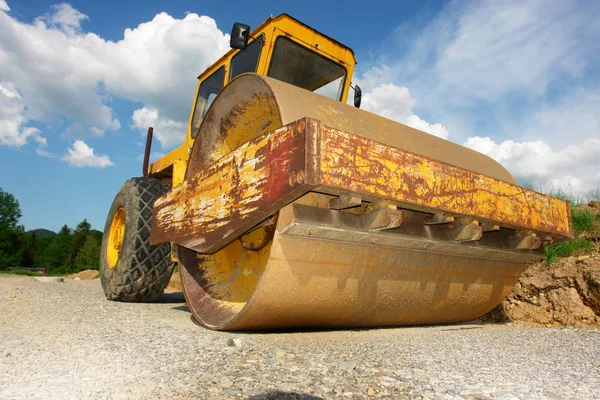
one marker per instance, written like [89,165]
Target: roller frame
[234,194]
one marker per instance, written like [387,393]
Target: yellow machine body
[173,165]
[293,209]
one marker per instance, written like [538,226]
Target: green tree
[88,256]
[83,227]
[29,250]
[80,234]
[10,232]
[42,242]
[55,256]
[65,230]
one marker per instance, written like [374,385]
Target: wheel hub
[115,238]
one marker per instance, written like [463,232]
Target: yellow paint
[247,129]
[115,238]
[161,166]
[413,180]
[233,272]
[206,198]
[179,167]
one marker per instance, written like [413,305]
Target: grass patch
[567,249]
[17,272]
[583,220]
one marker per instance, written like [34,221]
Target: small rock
[581,259]
[280,354]
[225,384]
[347,365]
[370,392]
[234,342]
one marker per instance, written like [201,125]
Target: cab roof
[272,20]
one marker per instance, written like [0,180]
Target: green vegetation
[583,220]
[11,232]
[567,249]
[17,272]
[69,251]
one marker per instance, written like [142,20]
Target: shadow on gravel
[279,395]
[175,297]
[475,324]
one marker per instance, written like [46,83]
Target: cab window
[209,89]
[299,66]
[247,59]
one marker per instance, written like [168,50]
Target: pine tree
[65,230]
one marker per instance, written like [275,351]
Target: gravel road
[65,341]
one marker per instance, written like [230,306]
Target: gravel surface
[64,340]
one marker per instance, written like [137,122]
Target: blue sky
[80,81]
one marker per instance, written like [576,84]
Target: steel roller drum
[275,278]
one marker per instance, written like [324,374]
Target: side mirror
[357,96]
[239,36]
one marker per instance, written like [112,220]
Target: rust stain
[228,197]
[223,200]
[371,168]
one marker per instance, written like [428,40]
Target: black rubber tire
[142,271]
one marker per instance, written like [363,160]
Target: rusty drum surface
[306,273]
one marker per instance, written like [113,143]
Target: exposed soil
[86,274]
[564,293]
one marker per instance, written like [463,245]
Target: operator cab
[282,48]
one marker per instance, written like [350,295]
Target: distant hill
[42,232]
[48,233]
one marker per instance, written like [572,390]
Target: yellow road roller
[285,207]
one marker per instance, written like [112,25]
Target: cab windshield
[304,68]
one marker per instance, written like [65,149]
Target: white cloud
[571,119]
[64,17]
[574,167]
[62,71]
[474,51]
[81,155]
[43,153]
[513,79]
[501,47]
[4,6]
[396,103]
[13,118]
[167,131]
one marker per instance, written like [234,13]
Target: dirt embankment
[566,292]
[87,274]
